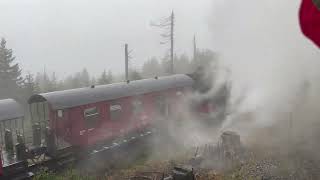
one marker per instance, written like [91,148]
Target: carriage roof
[10,109]
[81,96]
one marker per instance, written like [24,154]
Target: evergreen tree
[110,76]
[85,78]
[60,85]
[67,83]
[10,73]
[76,80]
[182,64]
[30,85]
[38,82]
[93,81]
[151,68]
[103,78]
[205,59]
[45,82]
[135,75]
[53,83]
[165,65]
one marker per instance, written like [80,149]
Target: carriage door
[91,118]
[138,114]
[63,130]
[162,106]
[39,113]
[116,116]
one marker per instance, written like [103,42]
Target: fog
[270,61]
[272,68]
[269,57]
[61,34]
[274,77]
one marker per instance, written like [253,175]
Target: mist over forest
[67,53]
[14,84]
[265,53]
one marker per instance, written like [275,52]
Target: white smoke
[274,72]
[270,60]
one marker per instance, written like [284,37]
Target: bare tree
[104,78]
[128,57]
[30,86]
[195,50]
[167,25]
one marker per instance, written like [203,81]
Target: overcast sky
[67,35]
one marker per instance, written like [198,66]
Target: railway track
[96,161]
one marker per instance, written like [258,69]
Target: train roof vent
[128,81]
[156,77]
[93,86]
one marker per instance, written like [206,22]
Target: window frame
[60,113]
[93,114]
[91,119]
[118,111]
[179,93]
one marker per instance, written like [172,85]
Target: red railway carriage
[86,116]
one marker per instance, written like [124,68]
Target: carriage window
[91,116]
[137,107]
[115,111]
[60,113]
[91,112]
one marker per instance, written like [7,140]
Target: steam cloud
[274,77]
[274,68]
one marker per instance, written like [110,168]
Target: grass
[300,165]
[68,175]
[121,169]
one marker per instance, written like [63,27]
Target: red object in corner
[310,21]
